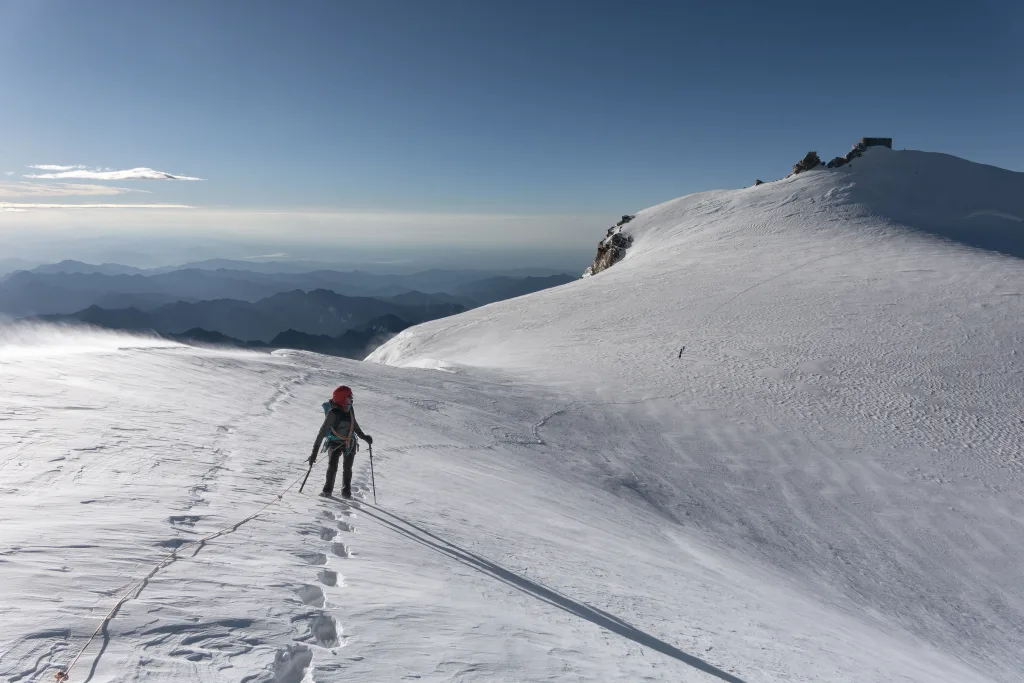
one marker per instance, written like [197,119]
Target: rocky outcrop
[812,161]
[858,150]
[612,248]
[809,161]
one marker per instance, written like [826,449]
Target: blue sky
[571,111]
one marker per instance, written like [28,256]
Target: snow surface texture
[826,486]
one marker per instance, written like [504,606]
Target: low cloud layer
[18,207]
[58,172]
[11,190]
[285,229]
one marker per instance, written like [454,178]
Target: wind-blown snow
[825,486]
[23,339]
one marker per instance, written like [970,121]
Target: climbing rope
[64,674]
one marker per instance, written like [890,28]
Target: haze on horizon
[456,132]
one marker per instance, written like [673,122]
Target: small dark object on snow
[681,351]
[758,182]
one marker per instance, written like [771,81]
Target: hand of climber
[368,439]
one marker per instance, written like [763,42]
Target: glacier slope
[847,409]
[493,556]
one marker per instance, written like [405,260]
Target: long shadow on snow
[532,588]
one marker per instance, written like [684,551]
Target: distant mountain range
[26,293]
[336,312]
[350,344]
[91,269]
[319,312]
[69,287]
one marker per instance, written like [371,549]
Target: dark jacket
[338,425]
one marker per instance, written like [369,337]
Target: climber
[339,431]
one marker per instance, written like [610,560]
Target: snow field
[493,558]
[824,486]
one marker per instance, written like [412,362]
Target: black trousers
[335,453]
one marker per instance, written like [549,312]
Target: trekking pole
[306,477]
[372,480]
[311,466]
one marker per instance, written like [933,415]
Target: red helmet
[342,395]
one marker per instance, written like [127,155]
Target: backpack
[333,437]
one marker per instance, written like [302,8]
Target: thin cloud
[19,206]
[82,173]
[55,167]
[23,189]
